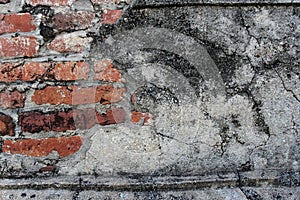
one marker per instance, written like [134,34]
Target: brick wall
[49,87]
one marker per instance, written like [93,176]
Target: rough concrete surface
[223,85]
[243,112]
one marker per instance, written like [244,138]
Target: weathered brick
[35,71]
[70,42]
[32,71]
[50,2]
[111,16]
[105,71]
[12,99]
[22,22]
[69,71]
[10,72]
[64,146]
[18,46]
[37,121]
[4,1]
[113,116]
[72,21]
[133,99]
[84,119]
[7,126]
[48,168]
[74,95]
[140,117]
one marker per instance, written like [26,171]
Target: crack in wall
[143,183]
[285,87]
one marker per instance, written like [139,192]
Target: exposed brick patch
[4,1]
[12,99]
[50,2]
[85,119]
[10,72]
[111,16]
[70,43]
[18,46]
[69,71]
[133,99]
[64,146]
[35,71]
[113,116]
[105,71]
[10,23]
[73,95]
[7,126]
[37,121]
[72,21]
[48,168]
[141,117]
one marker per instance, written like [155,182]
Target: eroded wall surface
[149,99]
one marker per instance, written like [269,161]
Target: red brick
[84,119]
[64,146]
[139,116]
[32,71]
[18,46]
[111,16]
[10,72]
[13,99]
[10,23]
[70,71]
[7,126]
[35,71]
[72,21]
[60,121]
[120,1]
[113,116]
[70,43]
[74,95]
[50,2]
[105,71]
[133,99]
[3,127]
[48,168]
[4,1]
[36,121]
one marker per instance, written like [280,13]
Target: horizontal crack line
[145,183]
